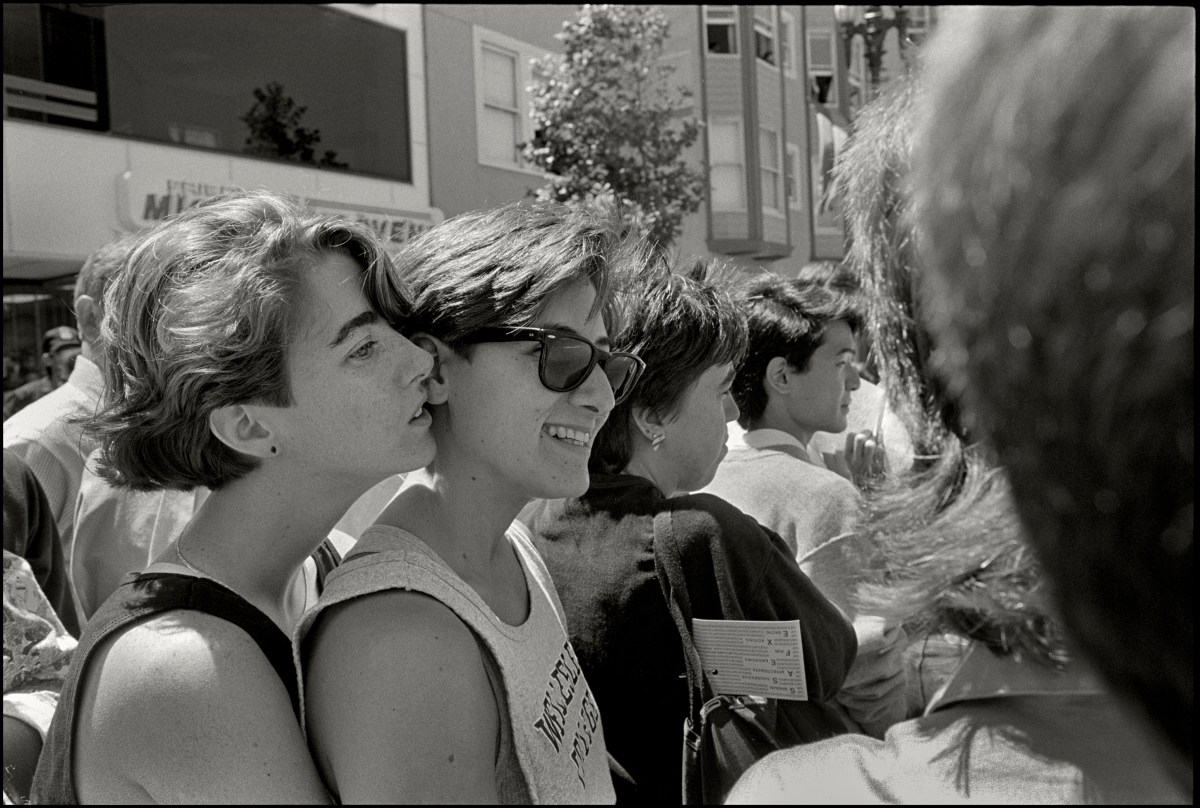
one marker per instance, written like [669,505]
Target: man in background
[60,348]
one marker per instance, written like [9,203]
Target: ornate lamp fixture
[872,23]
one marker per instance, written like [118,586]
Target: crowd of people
[960,463]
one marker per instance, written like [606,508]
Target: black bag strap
[671,579]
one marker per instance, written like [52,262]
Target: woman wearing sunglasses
[437,666]
[661,443]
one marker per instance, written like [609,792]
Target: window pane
[768,148]
[820,51]
[499,136]
[764,47]
[723,146]
[793,184]
[770,189]
[154,70]
[499,78]
[728,191]
[721,39]
[785,43]
[821,86]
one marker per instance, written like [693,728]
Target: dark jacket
[600,551]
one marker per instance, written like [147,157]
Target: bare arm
[400,709]
[201,716]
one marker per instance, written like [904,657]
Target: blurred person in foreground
[1060,221]
[658,447]
[800,376]
[1024,718]
[252,350]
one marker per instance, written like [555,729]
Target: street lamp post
[872,23]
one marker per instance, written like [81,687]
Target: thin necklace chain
[198,571]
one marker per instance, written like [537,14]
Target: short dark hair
[836,275]
[202,317]
[501,266]
[785,318]
[680,324]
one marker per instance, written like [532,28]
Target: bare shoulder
[400,706]
[376,621]
[182,687]
[177,657]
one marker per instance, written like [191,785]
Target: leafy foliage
[275,130]
[608,124]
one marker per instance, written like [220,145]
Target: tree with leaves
[609,125]
[275,130]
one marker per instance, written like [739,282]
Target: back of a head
[500,266]
[680,323]
[201,317]
[99,267]
[832,274]
[785,318]
[1054,181]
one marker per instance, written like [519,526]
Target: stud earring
[657,440]
[274,450]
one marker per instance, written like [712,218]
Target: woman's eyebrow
[357,321]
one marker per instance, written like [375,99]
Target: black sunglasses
[567,359]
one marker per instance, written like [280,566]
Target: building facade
[398,115]
[117,115]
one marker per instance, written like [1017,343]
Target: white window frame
[740,150]
[714,15]
[794,178]
[817,71]
[763,169]
[787,43]
[522,52]
[767,28]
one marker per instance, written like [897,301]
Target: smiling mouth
[571,436]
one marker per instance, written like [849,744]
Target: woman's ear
[436,383]
[649,423]
[238,427]
[87,317]
[776,376]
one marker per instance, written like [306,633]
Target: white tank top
[554,724]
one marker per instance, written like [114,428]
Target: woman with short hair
[657,446]
[252,349]
[437,666]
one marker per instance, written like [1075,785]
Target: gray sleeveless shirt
[551,736]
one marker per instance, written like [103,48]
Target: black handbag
[723,735]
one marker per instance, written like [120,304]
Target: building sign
[142,202]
